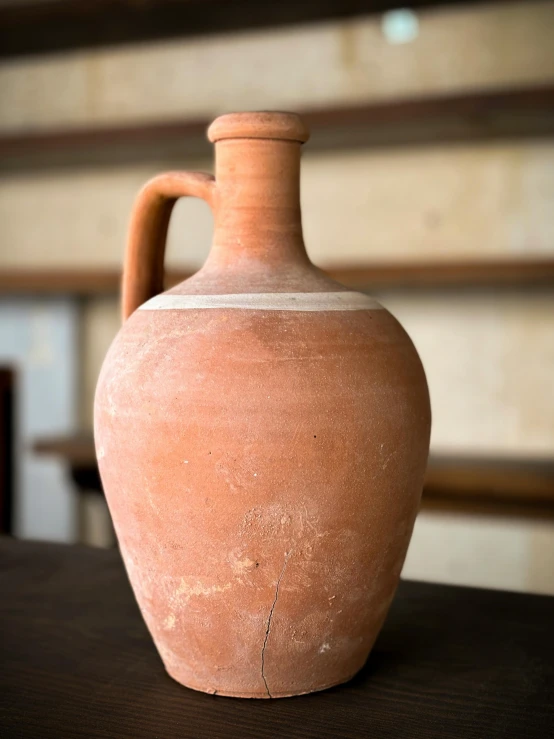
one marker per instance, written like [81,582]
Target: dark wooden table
[76,661]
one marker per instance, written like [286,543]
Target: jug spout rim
[259,125]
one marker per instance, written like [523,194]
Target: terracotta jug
[262,434]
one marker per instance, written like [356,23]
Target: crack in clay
[287,555]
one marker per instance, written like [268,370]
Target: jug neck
[257,203]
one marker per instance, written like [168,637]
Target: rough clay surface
[263,468]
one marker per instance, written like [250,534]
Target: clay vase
[262,435]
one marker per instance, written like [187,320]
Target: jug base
[261,694]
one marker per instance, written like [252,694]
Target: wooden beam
[512,273]
[497,273]
[76,450]
[507,479]
[482,506]
[480,114]
[46,26]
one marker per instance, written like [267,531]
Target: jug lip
[259,125]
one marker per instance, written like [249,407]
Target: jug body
[262,436]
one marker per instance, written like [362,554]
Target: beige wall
[437,202]
[329,63]
[489,356]
[483,551]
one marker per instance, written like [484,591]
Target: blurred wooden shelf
[463,484]
[473,114]
[507,273]
[77,450]
[45,26]
[490,486]
[512,273]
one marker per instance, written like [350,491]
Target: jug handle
[143,271]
